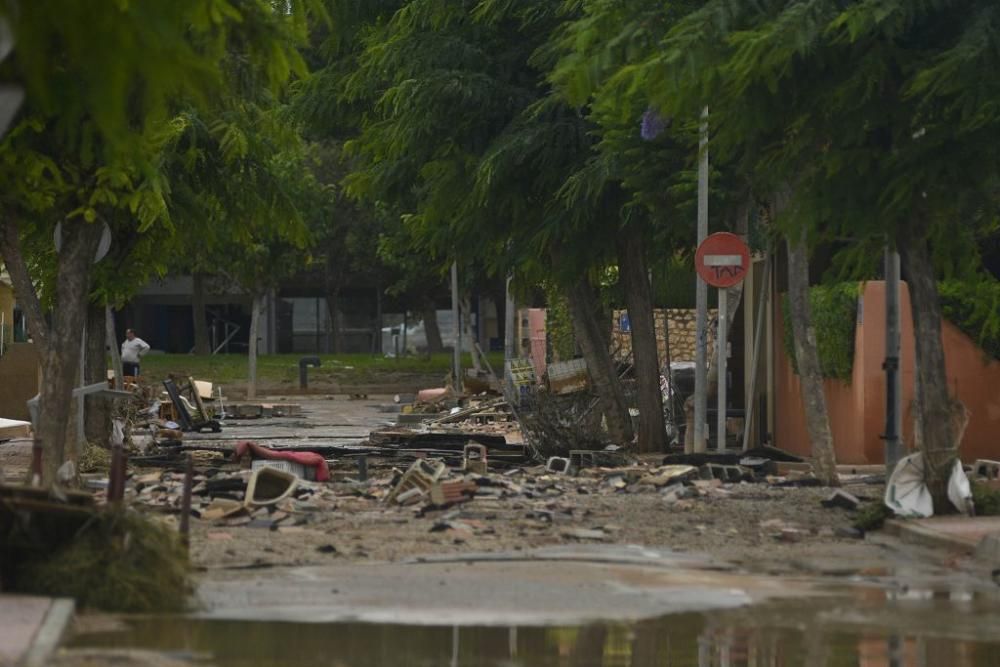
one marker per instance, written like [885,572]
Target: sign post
[722,261]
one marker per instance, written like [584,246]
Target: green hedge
[834,311]
[974,307]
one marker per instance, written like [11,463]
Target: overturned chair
[195,419]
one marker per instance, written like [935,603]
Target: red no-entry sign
[722,260]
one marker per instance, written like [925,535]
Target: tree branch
[10,251]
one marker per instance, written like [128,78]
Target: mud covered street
[532,556]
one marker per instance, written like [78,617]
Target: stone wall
[679,323]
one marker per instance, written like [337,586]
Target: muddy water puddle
[865,626]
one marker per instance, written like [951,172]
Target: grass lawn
[284,368]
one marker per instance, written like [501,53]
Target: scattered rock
[850,532]
[584,534]
[842,499]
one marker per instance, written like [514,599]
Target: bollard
[36,464]
[304,364]
[186,502]
[116,476]
[363,468]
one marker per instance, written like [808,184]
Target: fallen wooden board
[460,415]
[842,468]
[14,428]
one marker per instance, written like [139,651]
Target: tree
[100,80]
[874,113]
[648,157]
[455,106]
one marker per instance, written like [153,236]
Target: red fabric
[309,459]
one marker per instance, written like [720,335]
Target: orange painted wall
[857,409]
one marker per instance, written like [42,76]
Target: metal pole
[701,298]
[456,362]
[80,435]
[893,393]
[758,339]
[378,319]
[185,527]
[508,324]
[721,363]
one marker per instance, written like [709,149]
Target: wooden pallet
[13,428]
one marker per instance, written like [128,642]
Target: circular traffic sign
[103,246]
[722,260]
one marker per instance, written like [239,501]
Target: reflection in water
[832,631]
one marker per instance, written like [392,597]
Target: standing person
[132,350]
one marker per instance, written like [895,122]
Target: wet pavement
[574,607]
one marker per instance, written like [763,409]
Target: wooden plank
[50,633]
[20,618]
[14,428]
[467,412]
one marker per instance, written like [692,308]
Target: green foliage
[120,561]
[986,500]
[974,307]
[342,371]
[107,72]
[154,118]
[558,324]
[872,516]
[833,309]
[674,282]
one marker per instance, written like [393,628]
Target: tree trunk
[201,344]
[646,647]
[112,343]
[61,356]
[938,412]
[97,415]
[588,647]
[333,306]
[639,298]
[431,328]
[27,298]
[588,329]
[807,360]
[255,310]
[468,333]
[333,279]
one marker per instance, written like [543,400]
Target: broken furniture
[558,465]
[445,443]
[567,377]
[199,419]
[268,486]
[311,461]
[475,459]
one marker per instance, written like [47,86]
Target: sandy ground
[725,527]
